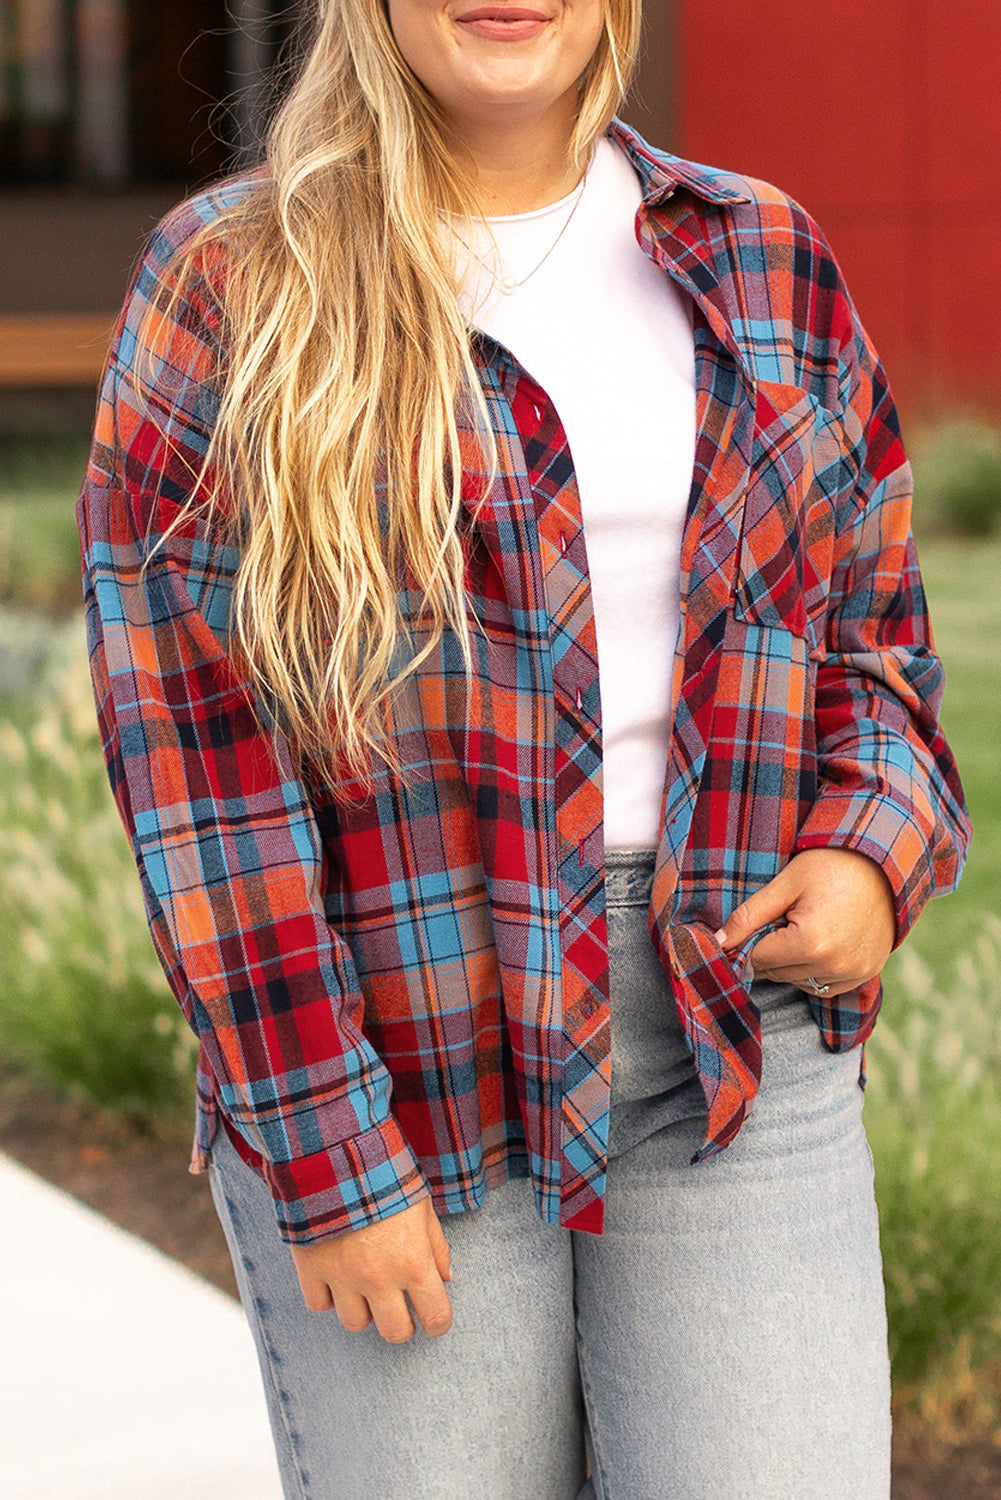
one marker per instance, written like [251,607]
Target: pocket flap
[787,537]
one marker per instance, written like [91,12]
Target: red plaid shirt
[410,993]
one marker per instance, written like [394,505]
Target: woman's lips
[504,24]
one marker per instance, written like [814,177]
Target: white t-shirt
[608,336]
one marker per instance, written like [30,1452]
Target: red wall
[883,117]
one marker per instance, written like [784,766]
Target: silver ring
[818,989]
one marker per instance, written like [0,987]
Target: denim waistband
[629,876]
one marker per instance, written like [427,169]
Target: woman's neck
[518,164]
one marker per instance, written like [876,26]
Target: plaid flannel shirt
[409,993]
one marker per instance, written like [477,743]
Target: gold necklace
[509,284]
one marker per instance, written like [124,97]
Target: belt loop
[629,876]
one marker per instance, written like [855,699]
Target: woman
[344,633]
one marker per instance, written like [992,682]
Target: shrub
[957,478]
[40,554]
[933,1113]
[43,463]
[39,550]
[83,1001]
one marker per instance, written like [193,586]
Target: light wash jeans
[724,1339]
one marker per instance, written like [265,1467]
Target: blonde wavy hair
[346,356]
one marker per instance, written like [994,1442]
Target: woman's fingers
[367,1274]
[353,1311]
[839,916]
[769,904]
[439,1245]
[785,949]
[796,953]
[387,1308]
[391,1316]
[806,979]
[431,1304]
[313,1284]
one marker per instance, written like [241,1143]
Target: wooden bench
[53,349]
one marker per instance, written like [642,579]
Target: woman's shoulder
[750,204]
[195,216]
[759,250]
[179,286]
[169,342]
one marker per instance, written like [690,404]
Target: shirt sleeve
[889,787]
[221,825]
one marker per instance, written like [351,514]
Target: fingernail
[720,936]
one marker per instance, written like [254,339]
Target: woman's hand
[840,929]
[364,1274]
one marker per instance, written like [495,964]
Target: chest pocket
[787,536]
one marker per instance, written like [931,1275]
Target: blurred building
[108,110]
[883,120]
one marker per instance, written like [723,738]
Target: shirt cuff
[879,828]
[350,1184]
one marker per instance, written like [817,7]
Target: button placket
[583,936]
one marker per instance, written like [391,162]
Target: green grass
[933,1107]
[963,583]
[957,478]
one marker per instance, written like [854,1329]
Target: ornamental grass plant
[83,1002]
[933,1114]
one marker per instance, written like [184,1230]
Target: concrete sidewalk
[123,1376]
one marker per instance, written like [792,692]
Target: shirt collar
[661,173]
[689,257]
